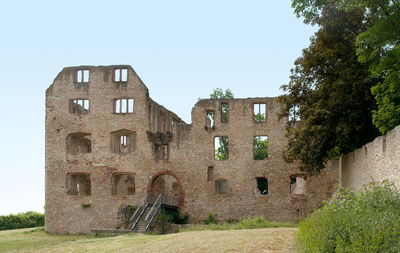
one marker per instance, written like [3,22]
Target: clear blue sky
[182,50]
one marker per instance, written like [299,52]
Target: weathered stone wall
[375,161]
[190,153]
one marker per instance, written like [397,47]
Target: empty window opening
[79,106]
[82,76]
[262,185]
[210,119]
[294,114]
[260,147]
[123,105]
[123,141]
[79,143]
[210,173]
[221,148]
[123,184]
[259,113]
[298,184]
[121,75]
[78,184]
[221,186]
[224,113]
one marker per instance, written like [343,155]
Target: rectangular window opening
[260,147]
[82,76]
[221,186]
[297,184]
[79,143]
[79,106]
[221,148]
[86,76]
[123,105]
[117,75]
[130,105]
[210,173]
[262,185]
[259,113]
[224,113]
[124,75]
[123,184]
[121,75]
[79,184]
[210,119]
[123,141]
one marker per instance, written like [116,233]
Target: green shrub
[172,216]
[210,219]
[366,221]
[21,220]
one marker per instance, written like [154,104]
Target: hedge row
[21,220]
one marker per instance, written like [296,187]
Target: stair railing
[154,209]
[138,213]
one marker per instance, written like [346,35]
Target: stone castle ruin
[108,144]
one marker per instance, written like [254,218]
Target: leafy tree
[379,46]
[329,91]
[219,93]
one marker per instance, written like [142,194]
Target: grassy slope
[253,240]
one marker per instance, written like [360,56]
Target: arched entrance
[166,183]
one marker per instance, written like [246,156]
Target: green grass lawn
[245,240]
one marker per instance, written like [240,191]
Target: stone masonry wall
[188,154]
[375,161]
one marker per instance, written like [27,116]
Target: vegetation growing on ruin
[364,221]
[254,223]
[21,220]
[331,93]
[173,216]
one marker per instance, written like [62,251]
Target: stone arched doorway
[168,184]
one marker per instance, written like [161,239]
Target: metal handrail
[152,208]
[137,209]
[152,217]
[140,215]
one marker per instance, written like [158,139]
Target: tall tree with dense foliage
[330,91]
[379,46]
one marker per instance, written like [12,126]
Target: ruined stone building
[108,143]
